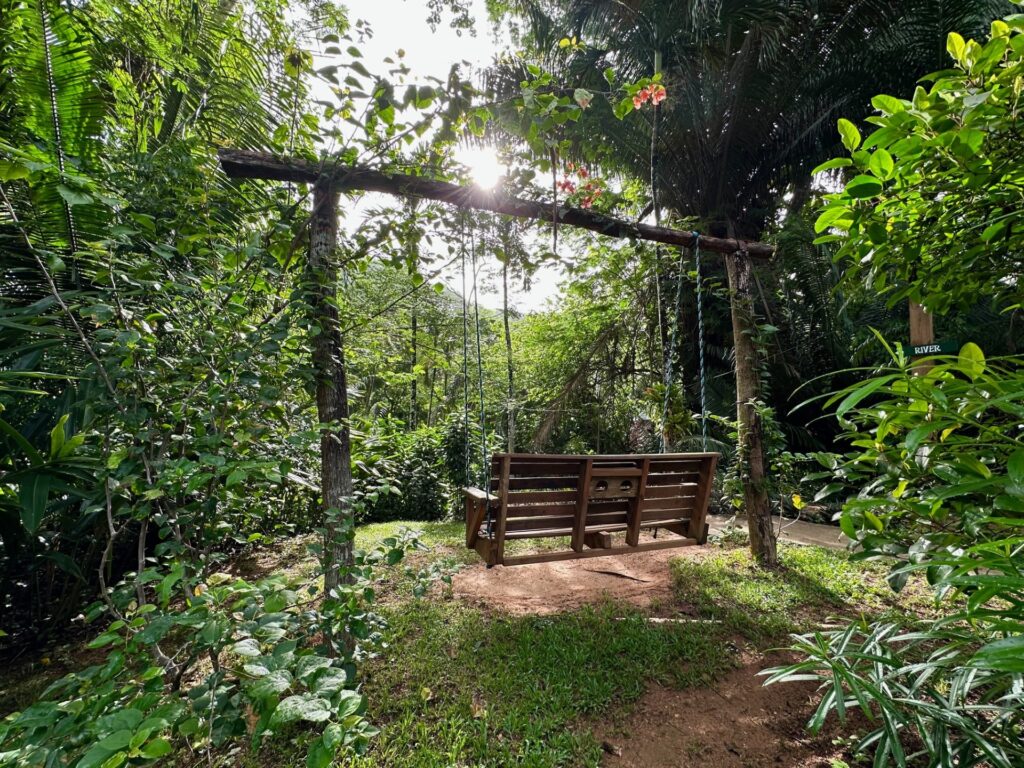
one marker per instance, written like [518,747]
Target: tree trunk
[413,395]
[331,389]
[510,415]
[750,451]
[922,331]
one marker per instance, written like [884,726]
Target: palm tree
[754,89]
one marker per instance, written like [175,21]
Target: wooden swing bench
[588,498]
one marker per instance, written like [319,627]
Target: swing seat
[588,498]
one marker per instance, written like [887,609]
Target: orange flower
[658,94]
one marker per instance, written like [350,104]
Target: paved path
[793,531]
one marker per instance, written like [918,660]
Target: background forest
[157,410]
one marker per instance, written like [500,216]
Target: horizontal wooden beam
[241,164]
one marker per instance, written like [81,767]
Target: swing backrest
[590,497]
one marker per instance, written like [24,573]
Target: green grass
[462,687]
[459,685]
[811,585]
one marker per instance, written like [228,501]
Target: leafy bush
[399,475]
[214,660]
[935,467]
[938,461]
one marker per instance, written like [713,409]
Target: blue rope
[669,362]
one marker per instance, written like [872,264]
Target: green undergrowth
[812,586]
[461,685]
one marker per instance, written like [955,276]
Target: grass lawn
[459,685]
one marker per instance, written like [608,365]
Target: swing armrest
[477,495]
[476,508]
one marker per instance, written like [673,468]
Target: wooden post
[582,501]
[331,385]
[922,331]
[750,451]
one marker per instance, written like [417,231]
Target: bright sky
[402,24]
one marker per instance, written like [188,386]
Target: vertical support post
[331,385]
[697,528]
[498,545]
[582,501]
[922,331]
[636,505]
[750,451]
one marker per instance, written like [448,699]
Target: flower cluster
[655,92]
[587,188]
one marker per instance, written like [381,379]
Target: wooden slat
[672,478]
[535,510]
[609,456]
[539,523]
[669,491]
[586,469]
[615,472]
[633,517]
[647,516]
[499,538]
[548,557]
[537,483]
[544,469]
[606,505]
[541,497]
[671,502]
[695,465]
[539,533]
[604,518]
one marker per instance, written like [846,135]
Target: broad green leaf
[887,105]
[881,164]
[304,707]
[73,196]
[57,437]
[863,186]
[849,134]
[835,162]
[971,360]
[33,495]
[956,46]
[1006,655]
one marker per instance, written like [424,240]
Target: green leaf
[849,134]
[835,162]
[57,437]
[73,197]
[863,186]
[881,164]
[956,46]
[277,682]
[11,171]
[157,748]
[887,105]
[310,708]
[1015,468]
[33,495]
[971,360]
[1006,655]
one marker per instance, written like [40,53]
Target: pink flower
[658,94]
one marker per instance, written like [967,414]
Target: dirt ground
[737,723]
[642,579]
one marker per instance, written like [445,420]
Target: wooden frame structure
[589,498]
[328,178]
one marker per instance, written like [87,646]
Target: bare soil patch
[735,723]
[641,579]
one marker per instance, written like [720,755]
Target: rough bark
[259,165]
[510,414]
[413,394]
[922,331]
[331,387]
[750,451]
